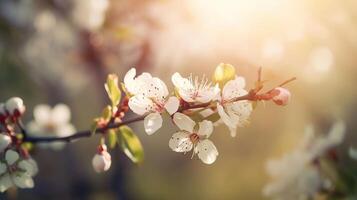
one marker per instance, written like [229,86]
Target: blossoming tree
[195,106]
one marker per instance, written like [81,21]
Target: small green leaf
[112,89]
[112,138]
[130,144]
[94,126]
[223,73]
[107,113]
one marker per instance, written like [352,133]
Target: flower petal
[61,114]
[152,123]
[11,156]
[140,104]
[3,168]
[172,105]
[205,128]
[22,180]
[5,182]
[128,80]
[224,116]
[29,166]
[184,122]
[5,141]
[157,89]
[180,142]
[42,114]
[234,88]
[206,151]
[180,82]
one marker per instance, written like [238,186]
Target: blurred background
[60,51]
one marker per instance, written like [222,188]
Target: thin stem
[81,134]
[88,133]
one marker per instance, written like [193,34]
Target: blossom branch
[251,96]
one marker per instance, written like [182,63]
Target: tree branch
[80,134]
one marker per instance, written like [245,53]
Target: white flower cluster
[17,168]
[16,171]
[149,96]
[295,176]
[51,122]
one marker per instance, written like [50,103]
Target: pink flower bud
[281,96]
[5,141]
[15,106]
[102,160]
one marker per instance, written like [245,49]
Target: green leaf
[130,144]
[107,113]
[223,73]
[112,89]
[112,138]
[94,126]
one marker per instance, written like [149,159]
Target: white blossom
[5,141]
[51,122]
[294,175]
[15,171]
[234,114]
[193,90]
[15,106]
[188,138]
[102,160]
[149,95]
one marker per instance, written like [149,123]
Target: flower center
[50,127]
[194,138]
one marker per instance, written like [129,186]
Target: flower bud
[15,106]
[281,96]
[224,73]
[5,141]
[102,160]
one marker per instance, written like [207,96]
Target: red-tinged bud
[102,160]
[15,107]
[281,96]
